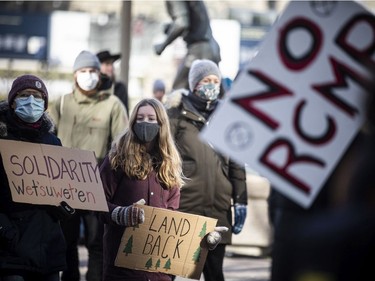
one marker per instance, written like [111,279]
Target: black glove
[61,212]
[8,233]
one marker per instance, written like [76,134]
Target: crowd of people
[148,157]
[154,156]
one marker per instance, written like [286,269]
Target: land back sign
[46,175]
[168,241]
[295,108]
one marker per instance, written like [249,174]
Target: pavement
[236,267]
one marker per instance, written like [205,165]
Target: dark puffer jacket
[215,182]
[30,235]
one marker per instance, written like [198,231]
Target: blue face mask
[29,109]
[208,91]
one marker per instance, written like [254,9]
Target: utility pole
[125,44]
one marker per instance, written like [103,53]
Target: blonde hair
[131,156]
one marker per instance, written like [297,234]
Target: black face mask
[145,131]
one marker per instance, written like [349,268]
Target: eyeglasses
[27,93]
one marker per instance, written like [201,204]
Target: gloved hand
[130,215]
[8,233]
[61,212]
[214,237]
[240,211]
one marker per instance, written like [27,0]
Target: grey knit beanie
[86,59]
[200,69]
[158,85]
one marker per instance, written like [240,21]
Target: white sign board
[296,107]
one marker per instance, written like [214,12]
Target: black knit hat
[27,81]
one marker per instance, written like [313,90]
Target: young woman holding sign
[142,164]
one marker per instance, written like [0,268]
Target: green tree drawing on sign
[167,264]
[129,246]
[203,230]
[197,255]
[157,265]
[148,264]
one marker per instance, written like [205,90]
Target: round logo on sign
[323,8]
[239,136]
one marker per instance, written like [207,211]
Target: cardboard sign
[168,241]
[293,111]
[46,175]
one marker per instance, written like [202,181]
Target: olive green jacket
[89,123]
[214,182]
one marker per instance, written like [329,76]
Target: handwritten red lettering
[315,140]
[276,90]
[291,61]
[291,159]
[361,54]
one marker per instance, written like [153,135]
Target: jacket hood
[193,107]
[47,125]
[174,99]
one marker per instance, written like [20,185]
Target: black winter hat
[27,81]
[106,55]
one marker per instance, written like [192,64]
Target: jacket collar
[98,96]
[10,126]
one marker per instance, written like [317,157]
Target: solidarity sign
[47,174]
[294,110]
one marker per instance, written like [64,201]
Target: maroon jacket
[120,190]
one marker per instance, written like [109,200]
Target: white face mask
[87,80]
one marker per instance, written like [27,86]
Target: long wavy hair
[130,155]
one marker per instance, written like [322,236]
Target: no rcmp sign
[296,107]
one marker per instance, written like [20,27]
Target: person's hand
[240,211]
[61,212]
[214,237]
[159,48]
[130,215]
[8,237]
[7,233]
[167,27]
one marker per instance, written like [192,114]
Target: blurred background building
[44,37]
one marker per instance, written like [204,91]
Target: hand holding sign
[214,237]
[130,215]
[168,241]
